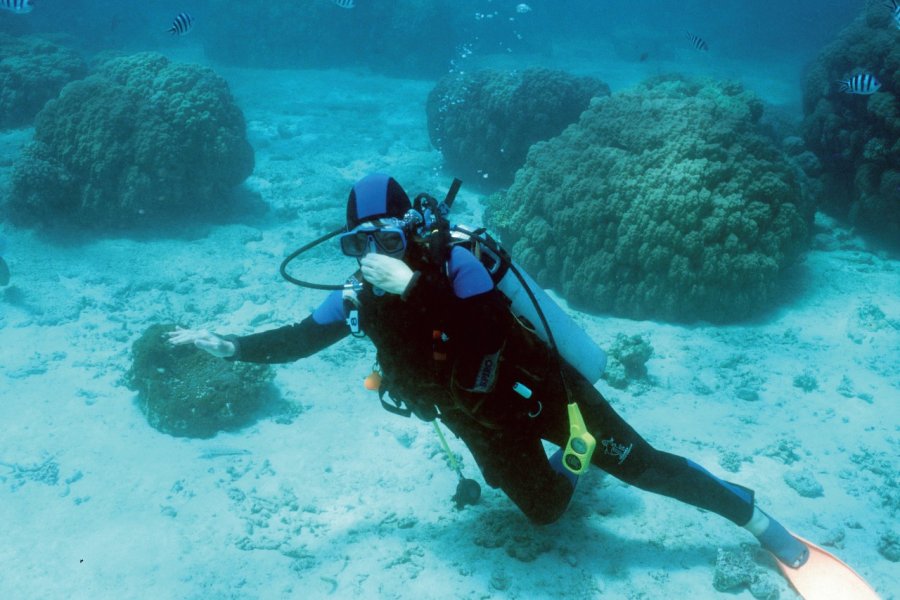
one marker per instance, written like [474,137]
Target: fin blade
[826,577]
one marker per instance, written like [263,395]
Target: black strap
[397,407]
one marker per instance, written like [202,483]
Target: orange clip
[373,381]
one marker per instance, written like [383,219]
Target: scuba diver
[450,348]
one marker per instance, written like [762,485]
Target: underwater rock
[670,200]
[186,392]
[627,360]
[142,140]
[804,482]
[806,381]
[502,530]
[32,71]
[889,546]
[854,136]
[736,570]
[46,472]
[485,122]
[786,450]
[870,321]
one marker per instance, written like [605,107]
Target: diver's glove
[204,340]
[385,272]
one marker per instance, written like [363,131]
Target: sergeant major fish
[697,42]
[862,83]
[182,24]
[344,3]
[894,5]
[17,6]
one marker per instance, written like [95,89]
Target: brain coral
[141,140]
[666,201]
[188,393]
[485,122]
[857,138]
[32,71]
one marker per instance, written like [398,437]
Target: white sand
[349,501]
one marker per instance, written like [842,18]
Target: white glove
[206,341]
[385,272]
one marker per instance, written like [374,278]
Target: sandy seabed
[337,498]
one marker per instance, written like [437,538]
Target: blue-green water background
[790,32]
[136,513]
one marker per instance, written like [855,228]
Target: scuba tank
[530,305]
[527,298]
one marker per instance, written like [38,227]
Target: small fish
[344,3]
[697,42]
[523,8]
[182,24]
[19,7]
[863,84]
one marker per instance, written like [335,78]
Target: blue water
[782,36]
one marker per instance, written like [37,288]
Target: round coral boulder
[32,71]
[141,141]
[857,136]
[185,392]
[668,201]
[484,122]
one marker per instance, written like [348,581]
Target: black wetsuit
[471,390]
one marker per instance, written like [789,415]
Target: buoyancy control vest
[526,298]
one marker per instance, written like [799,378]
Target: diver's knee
[548,508]
[545,514]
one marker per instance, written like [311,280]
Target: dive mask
[370,237]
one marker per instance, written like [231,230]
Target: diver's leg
[515,461]
[680,478]
[623,453]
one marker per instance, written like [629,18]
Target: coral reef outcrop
[857,137]
[484,122]
[667,201]
[140,141]
[32,71]
[187,393]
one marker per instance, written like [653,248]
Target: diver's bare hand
[385,272]
[206,341]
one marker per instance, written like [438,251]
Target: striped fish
[344,3]
[17,6]
[863,84]
[894,5]
[182,24]
[697,42]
